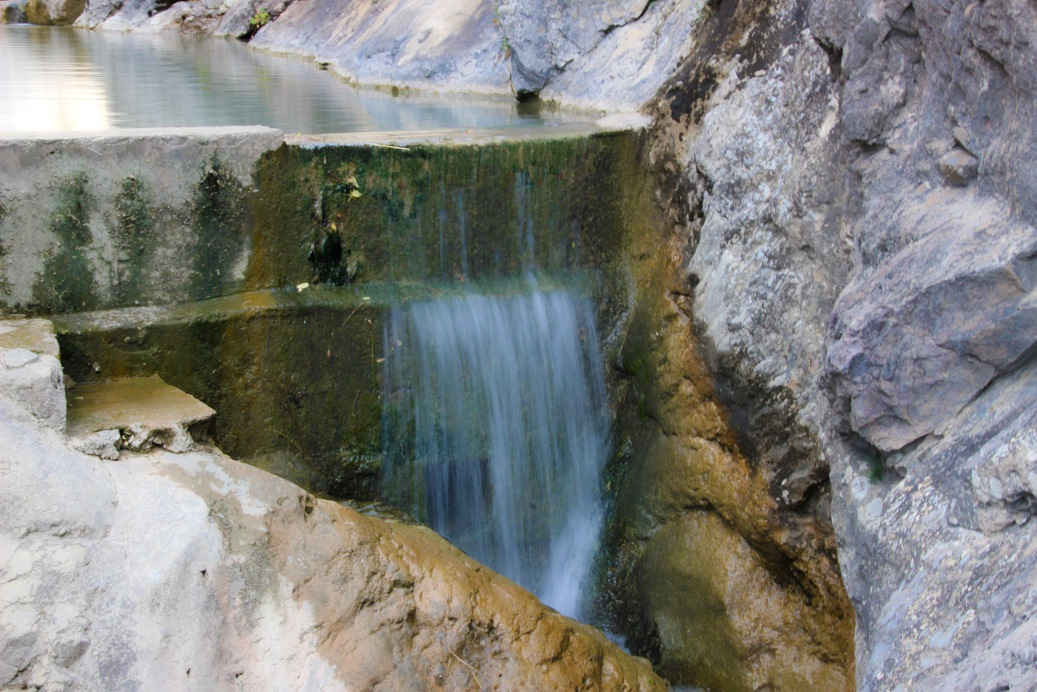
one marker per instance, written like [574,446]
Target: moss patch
[67,282]
[134,236]
[441,213]
[221,213]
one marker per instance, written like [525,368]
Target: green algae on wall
[133,233]
[435,213]
[5,286]
[221,218]
[295,379]
[125,219]
[66,283]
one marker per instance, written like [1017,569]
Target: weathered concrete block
[127,217]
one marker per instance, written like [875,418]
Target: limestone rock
[167,570]
[632,59]
[103,443]
[238,17]
[934,324]
[447,47]
[121,15]
[57,12]
[544,37]
[30,373]
[848,247]
[17,357]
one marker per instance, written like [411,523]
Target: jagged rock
[238,19]
[168,570]
[927,330]
[544,37]
[103,443]
[958,167]
[400,43]
[30,373]
[121,15]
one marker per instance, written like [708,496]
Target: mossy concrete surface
[130,217]
[294,378]
[437,212]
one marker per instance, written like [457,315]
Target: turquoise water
[75,80]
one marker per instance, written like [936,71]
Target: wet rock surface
[141,412]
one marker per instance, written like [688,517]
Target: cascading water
[497,431]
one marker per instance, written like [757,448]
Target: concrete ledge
[136,414]
[623,122]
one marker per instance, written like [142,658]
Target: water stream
[496,431]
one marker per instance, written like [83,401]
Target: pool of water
[74,80]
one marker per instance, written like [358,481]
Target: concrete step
[136,414]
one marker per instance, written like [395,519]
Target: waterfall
[496,431]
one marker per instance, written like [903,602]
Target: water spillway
[496,431]
[202,269]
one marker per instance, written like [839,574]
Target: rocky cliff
[861,249]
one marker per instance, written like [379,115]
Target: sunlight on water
[78,80]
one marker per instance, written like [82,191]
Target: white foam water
[497,431]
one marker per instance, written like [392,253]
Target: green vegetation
[260,19]
[876,469]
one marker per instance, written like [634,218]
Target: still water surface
[54,79]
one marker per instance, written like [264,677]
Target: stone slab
[31,334]
[146,411]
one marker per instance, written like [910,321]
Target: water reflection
[76,80]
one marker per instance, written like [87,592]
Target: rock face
[186,570]
[861,246]
[57,12]
[517,47]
